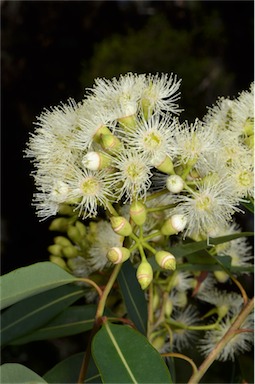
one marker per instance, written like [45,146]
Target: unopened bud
[121,226]
[57,260]
[164,165]
[174,183]
[166,260]
[144,274]
[158,342]
[96,161]
[168,307]
[55,249]
[128,122]
[59,224]
[81,228]
[110,143]
[70,251]
[138,212]
[249,141]
[65,210]
[118,255]
[174,225]
[102,130]
[74,234]
[221,276]
[63,241]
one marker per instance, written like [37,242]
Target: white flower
[132,178]
[182,337]
[240,342]
[53,141]
[209,206]
[104,239]
[182,281]
[120,96]
[88,190]
[152,137]
[243,113]
[194,143]
[226,302]
[159,94]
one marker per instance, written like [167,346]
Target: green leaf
[28,281]
[71,321]
[133,296]
[19,374]
[124,355]
[67,371]
[184,250]
[33,312]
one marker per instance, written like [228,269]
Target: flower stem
[196,377]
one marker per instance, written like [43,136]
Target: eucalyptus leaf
[133,296]
[71,321]
[123,355]
[184,250]
[12,373]
[33,312]
[28,281]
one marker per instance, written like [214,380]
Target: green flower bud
[221,276]
[74,234]
[66,210]
[138,212]
[70,251]
[166,260]
[165,165]
[222,310]
[121,226]
[128,122]
[102,130]
[158,342]
[63,241]
[110,143]
[118,254]
[168,307]
[82,228]
[59,224]
[55,249]
[57,260]
[144,274]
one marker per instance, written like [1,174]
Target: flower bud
[221,276]
[121,226]
[57,260]
[74,234]
[166,260]
[128,122]
[144,274]
[248,127]
[174,183]
[59,224]
[165,165]
[249,141]
[110,143]
[158,342]
[168,307]
[55,249]
[70,251]
[65,210]
[96,161]
[81,228]
[118,255]
[102,130]
[63,241]
[173,225]
[138,212]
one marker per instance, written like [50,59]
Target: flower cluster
[122,160]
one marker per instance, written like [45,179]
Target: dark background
[53,50]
